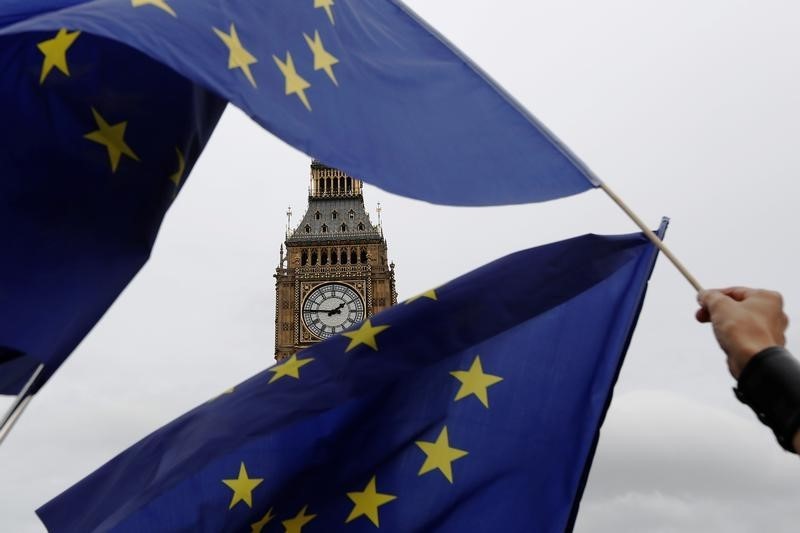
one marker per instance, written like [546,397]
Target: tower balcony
[327,182]
[312,193]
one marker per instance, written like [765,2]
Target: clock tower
[335,272]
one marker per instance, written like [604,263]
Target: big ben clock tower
[336,271]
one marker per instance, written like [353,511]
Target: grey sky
[687,108]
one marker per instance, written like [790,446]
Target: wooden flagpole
[653,237]
[19,405]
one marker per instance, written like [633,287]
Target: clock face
[332,308]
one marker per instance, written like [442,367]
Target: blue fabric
[402,108]
[382,96]
[74,230]
[553,322]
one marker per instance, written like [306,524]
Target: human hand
[745,321]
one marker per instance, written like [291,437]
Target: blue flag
[95,143]
[475,406]
[363,85]
[107,104]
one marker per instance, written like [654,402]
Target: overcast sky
[689,109]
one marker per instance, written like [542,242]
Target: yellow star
[364,335]
[178,176]
[55,52]
[161,4]
[327,5]
[113,138]
[427,294]
[239,57]
[295,525]
[323,60]
[367,503]
[242,487]
[440,455]
[294,83]
[474,381]
[218,396]
[256,527]
[291,367]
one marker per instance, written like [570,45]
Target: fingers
[712,300]
[743,293]
[738,293]
[702,315]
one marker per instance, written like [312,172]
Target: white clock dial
[332,308]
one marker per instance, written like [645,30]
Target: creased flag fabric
[363,85]
[475,406]
[96,141]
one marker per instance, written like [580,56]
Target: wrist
[747,351]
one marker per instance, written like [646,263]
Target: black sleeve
[770,385]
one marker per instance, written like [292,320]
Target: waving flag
[96,141]
[475,406]
[106,104]
[363,85]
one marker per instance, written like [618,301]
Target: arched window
[353,256]
[328,184]
[334,257]
[349,185]
[344,257]
[334,215]
[314,257]
[308,228]
[361,226]
[324,228]
[363,255]
[335,185]
[352,214]
[324,257]
[317,215]
[304,258]
[343,227]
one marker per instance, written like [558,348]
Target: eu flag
[96,140]
[363,85]
[474,406]
[107,104]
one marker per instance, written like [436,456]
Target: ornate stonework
[336,269]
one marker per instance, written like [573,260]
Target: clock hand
[336,310]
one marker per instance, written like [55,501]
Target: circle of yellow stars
[112,136]
[239,57]
[439,454]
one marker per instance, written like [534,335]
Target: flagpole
[653,237]
[19,405]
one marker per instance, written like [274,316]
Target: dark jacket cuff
[770,385]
